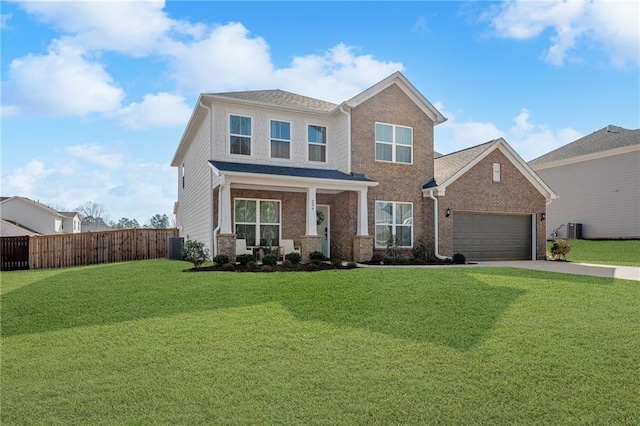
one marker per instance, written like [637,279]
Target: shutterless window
[394,143]
[258,221]
[280,139]
[394,223]
[497,172]
[317,138]
[240,134]
[182,174]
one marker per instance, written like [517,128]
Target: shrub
[316,255]
[294,257]
[423,249]
[377,258]
[393,249]
[458,259]
[316,262]
[195,252]
[270,259]
[336,261]
[267,268]
[560,247]
[313,266]
[221,259]
[352,265]
[243,259]
[287,264]
[228,267]
[252,265]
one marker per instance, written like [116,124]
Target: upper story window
[317,141]
[280,139]
[182,173]
[394,143]
[394,224]
[240,134]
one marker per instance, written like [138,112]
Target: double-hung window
[258,221]
[240,135]
[394,143]
[317,141]
[280,139]
[394,224]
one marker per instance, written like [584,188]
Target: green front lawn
[610,252]
[144,343]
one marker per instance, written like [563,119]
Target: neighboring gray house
[37,217]
[597,179]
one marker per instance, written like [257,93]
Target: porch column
[225,208]
[312,228]
[363,216]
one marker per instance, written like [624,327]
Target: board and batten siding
[602,194]
[337,151]
[194,218]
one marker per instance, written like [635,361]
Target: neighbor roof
[287,171]
[279,98]
[607,138]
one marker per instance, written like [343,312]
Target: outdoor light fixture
[448,213]
[543,216]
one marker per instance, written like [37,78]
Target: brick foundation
[227,245]
[309,244]
[362,248]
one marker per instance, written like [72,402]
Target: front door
[322,221]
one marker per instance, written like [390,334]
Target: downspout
[348,138]
[435,226]
[215,230]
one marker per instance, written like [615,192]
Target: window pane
[240,125]
[240,145]
[383,152]
[383,213]
[404,135]
[269,212]
[384,133]
[270,233]
[280,130]
[383,234]
[403,154]
[245,211]
[317,153]
[246,232]
[317,134]
[279,149]
[403,235]
[404,214]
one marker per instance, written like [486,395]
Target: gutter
[217,228]
[435,226]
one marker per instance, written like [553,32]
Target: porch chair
[286,247]
[241,248]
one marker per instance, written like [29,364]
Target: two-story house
[346,179]
[38,218]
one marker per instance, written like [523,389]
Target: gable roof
[605,139]
[278,98]
[448,168]
[409,89]
[39,205]
[20,228]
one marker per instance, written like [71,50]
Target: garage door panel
[481,236]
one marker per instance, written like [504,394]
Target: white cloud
[133,189]
[4,20]
[529,139]
[613,25]
[156,110]
[99,155]
[60,83]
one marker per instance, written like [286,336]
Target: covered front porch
[320,210]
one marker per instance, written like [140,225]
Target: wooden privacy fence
[14,252]
[88,248]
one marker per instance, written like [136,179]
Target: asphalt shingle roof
[288,171]
[447,165]
[607,138]
[280,98]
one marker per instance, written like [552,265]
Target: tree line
[94,217]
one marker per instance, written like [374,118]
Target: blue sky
[96,95]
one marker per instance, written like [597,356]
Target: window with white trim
[257,221]
[394,222]
[182,173]
[394,143]
[240,135]
[280,139]
[317,143]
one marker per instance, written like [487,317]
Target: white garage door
[482,236]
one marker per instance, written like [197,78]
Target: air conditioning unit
[574,231]
[174,248]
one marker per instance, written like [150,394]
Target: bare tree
[93,216]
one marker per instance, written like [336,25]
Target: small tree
[560,248]
[195,252]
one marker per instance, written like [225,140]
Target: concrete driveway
[606,271]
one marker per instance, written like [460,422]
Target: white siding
[194,218]
[30,216]
[261,138]
[602,194]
